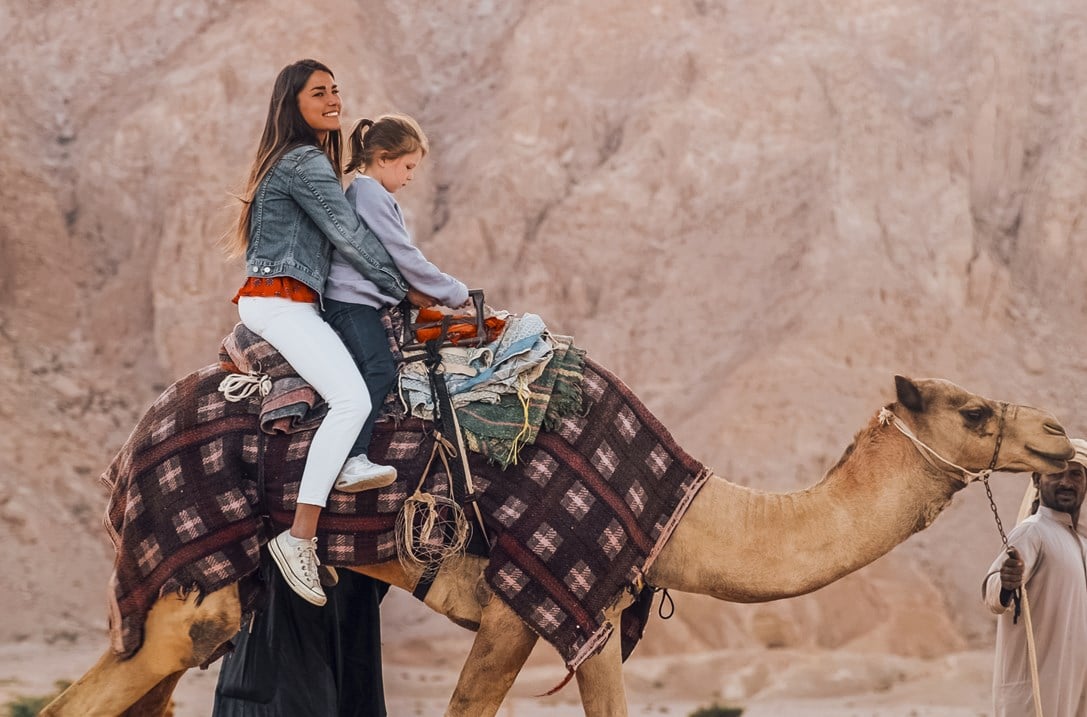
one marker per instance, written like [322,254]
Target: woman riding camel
[294,214]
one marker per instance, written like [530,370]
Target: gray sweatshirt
[378,209]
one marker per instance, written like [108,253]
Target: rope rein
[886,416]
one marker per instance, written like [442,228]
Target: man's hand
[1011,572]
[1011,576]
[420,300]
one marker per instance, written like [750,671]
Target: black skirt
[299,659]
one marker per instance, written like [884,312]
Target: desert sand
[798,683]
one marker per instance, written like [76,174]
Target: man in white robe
[1049,556]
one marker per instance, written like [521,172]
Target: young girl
[385,153]
[294,213]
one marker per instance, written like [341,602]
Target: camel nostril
[1054,428]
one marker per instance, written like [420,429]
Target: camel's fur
[734,543]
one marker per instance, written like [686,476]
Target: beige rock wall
[756,213]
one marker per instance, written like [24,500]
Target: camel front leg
[178,634]
[600,682]
[156,703]
[600,678]
[109,688]
[500,649]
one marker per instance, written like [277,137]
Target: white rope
[886,416]
[1025,511]
[1032,653]
[240,386]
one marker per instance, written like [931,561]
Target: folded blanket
[243,351]
[499,430]
[291,404]
[486,373]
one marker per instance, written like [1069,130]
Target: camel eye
[974,415]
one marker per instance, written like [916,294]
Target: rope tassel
[238,386]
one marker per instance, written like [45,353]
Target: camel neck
[746,545]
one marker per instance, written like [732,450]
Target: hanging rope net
[430,528]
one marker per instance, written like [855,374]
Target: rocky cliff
[756,213]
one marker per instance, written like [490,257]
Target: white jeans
[316,352]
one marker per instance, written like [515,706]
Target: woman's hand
[420,300]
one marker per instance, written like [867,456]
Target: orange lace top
[283,286]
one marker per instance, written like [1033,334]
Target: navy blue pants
[364,335]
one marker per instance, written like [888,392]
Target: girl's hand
[420,300]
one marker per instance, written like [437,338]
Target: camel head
[977,433]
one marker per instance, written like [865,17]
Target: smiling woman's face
[319,103]
[1063,491]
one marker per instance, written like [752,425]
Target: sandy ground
[765,683]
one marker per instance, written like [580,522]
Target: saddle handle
[409,342]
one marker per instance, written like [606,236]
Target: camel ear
[908,394]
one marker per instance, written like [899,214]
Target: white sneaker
[297,559]
[359,473]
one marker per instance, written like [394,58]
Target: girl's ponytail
[357,155]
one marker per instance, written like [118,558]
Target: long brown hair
[389,137]
[284,129]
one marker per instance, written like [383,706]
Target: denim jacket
[299,213]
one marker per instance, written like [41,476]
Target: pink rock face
[755,215]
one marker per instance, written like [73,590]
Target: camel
[733,543]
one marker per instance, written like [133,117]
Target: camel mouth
[1057,461]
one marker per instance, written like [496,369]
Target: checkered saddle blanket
[577,521]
